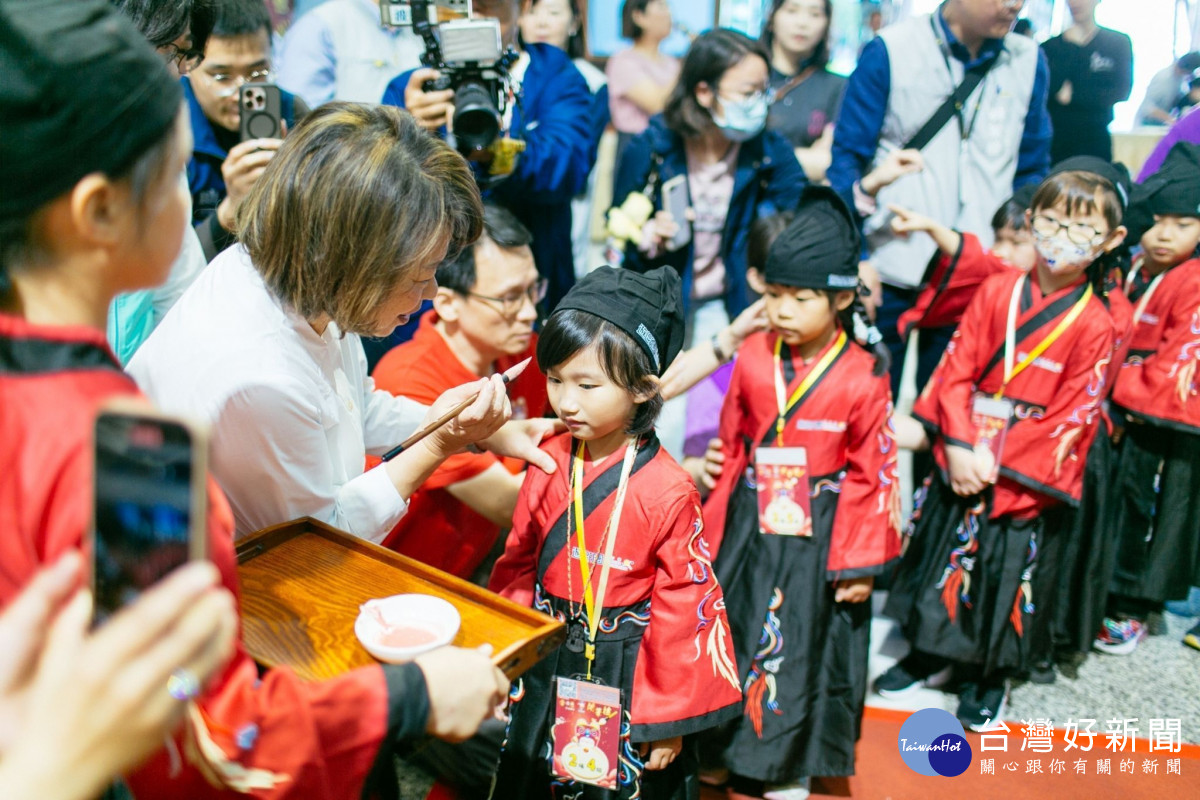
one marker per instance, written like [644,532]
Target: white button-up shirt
[292,413]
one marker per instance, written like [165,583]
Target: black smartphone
[260,107]
[149,502]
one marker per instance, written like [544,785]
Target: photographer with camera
[224,168]
[543,102]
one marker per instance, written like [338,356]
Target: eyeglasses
[749,97]
[225,84]
[1077,232]
[512,303]
[185,59]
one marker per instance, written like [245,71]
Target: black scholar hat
[820,248]
[646,305]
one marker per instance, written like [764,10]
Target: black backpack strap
[951,107]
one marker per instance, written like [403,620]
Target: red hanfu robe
[1156,488]
[845,424]
[1157,381]
[663,636]
[1057,398]
[802,655]
[950,287]
[973,576]
[311,740]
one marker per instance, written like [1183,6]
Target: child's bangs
[1079,194]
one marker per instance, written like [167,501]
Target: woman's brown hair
[356,198]
[711,54]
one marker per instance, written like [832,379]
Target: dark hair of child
[1010,215]
[858,325]
[622,359]
[1078,192]
[763,231]
[854,319]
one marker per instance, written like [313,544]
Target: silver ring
[183,684]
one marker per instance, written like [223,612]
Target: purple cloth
[704,410]
[1185,129]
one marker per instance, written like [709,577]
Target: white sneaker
[797,790]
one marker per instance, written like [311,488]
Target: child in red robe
[1012,409]
[962,263]
[808,507]
[612,543]
[1154,494]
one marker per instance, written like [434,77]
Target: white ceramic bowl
[419,612]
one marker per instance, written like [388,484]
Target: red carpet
[883,775]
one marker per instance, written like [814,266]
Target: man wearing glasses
[223,168]
[481,323]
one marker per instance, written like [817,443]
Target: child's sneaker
[1120,637]
[1192,637]
[914,671]
[797,790]
[981,707]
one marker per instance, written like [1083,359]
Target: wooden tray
[303,581]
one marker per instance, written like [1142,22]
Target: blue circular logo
[932,743]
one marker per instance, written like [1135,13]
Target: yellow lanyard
[805,385]
[594,603]
[1010,335]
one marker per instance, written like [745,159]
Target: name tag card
[783,502]
[991,417]
[587,730]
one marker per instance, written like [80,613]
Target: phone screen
[143,506]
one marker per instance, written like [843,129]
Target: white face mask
[1060,253]
[743,119]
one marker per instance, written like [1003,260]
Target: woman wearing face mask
[807,94]
[712,132]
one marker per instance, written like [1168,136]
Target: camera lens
[476,118]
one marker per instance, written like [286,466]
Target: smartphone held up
[149,502]
[260,107]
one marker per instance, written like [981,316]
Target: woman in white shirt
[340,238]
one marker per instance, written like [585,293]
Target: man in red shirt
[481,322]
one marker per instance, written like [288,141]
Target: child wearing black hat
[613,545]
[1155,491]
[1012,411]
[807,508]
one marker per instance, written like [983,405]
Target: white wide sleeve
[273,456]
[388,419]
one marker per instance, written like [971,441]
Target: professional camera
[468,54]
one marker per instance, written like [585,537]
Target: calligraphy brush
[510,374]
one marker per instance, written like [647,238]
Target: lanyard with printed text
[805,386]
[594,603]
[1010,336]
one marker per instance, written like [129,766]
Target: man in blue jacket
[551,112]
[223,169]
[997,141]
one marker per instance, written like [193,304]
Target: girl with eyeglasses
[1012,410]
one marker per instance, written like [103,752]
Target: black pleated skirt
[802,657]
[1155,515]
[965,588]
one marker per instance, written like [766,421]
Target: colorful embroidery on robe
[760,683]
[956,578]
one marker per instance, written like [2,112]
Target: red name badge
[783,503]
[991,416]
[587,731]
